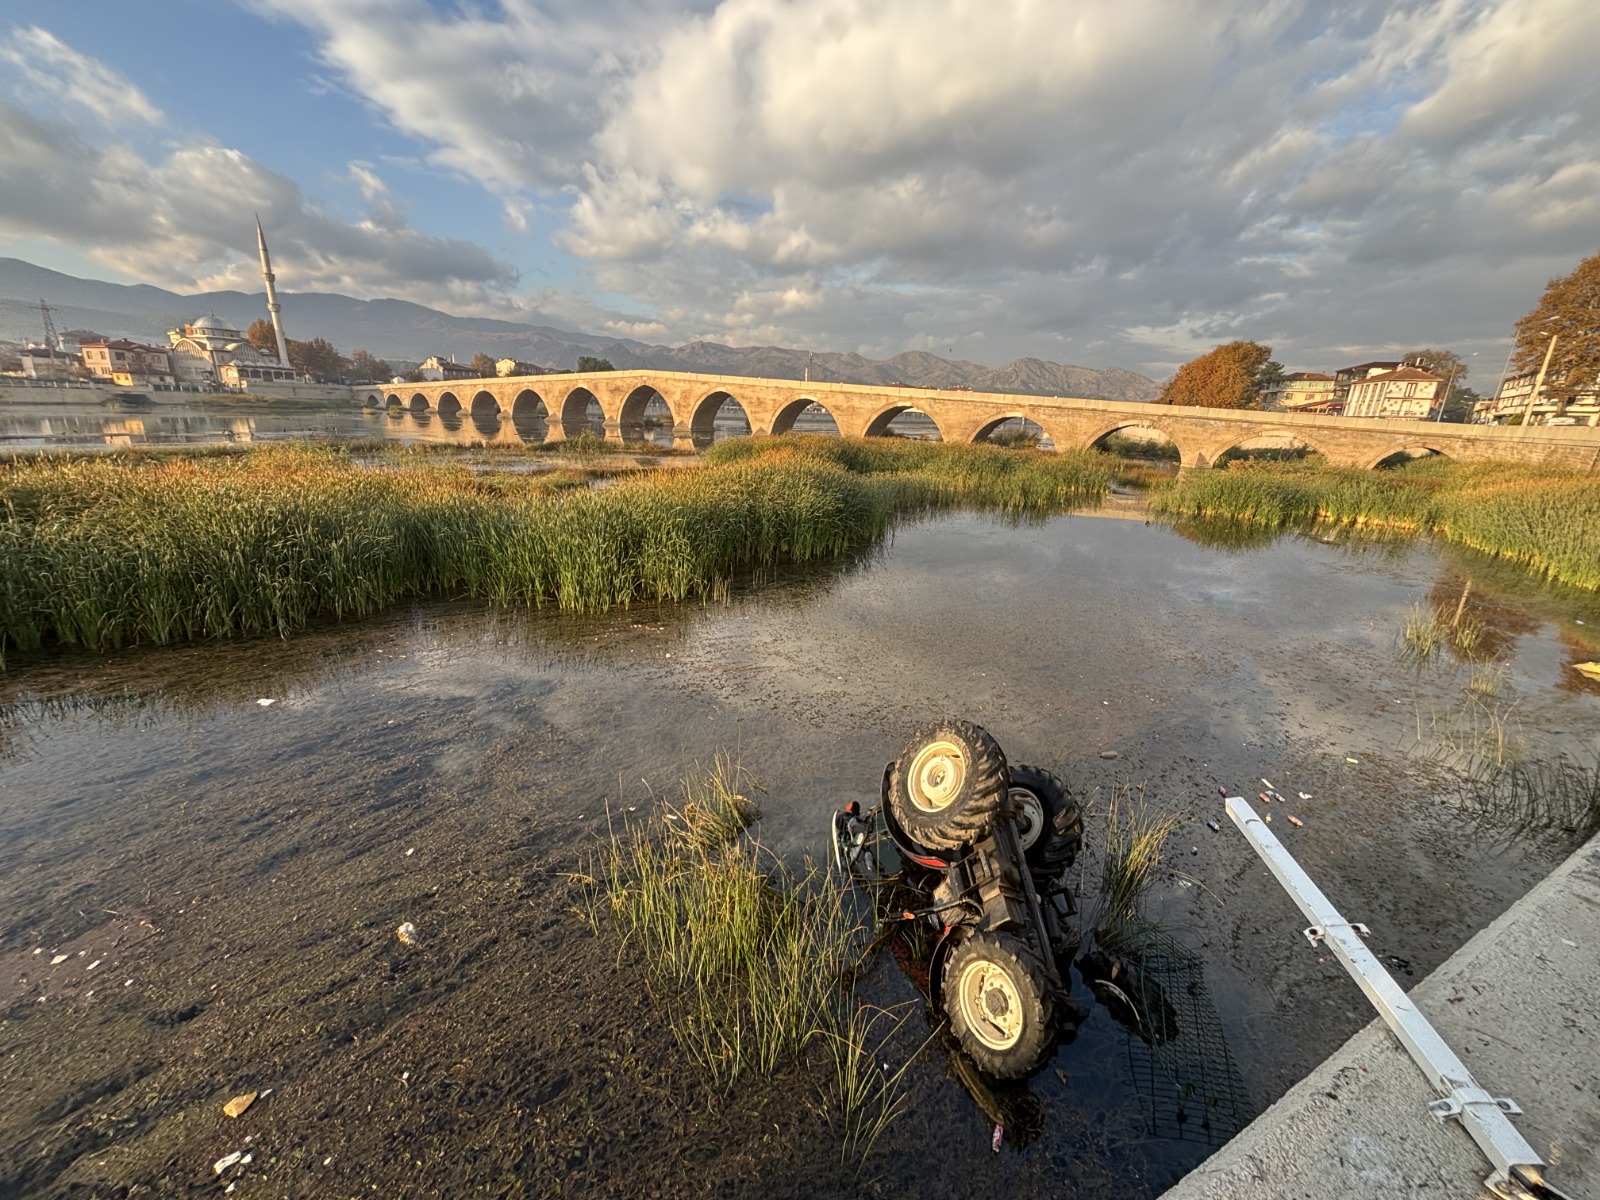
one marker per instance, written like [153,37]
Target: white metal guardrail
[1518,1171]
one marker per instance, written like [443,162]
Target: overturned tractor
[983,849]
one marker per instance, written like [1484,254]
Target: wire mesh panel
[1181,1065]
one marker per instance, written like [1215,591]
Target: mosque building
[207,351]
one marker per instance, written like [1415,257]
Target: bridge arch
[448,404]
[703,417]
[580,411]
[529,416]
[1141,423]
[393,401]
[419,403]
[1412,450]
[1287,440]
[644,411]
[485,404]
[371,400]
[878,426]
[1027,428]
[783,421]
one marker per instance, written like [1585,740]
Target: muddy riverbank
[235,871]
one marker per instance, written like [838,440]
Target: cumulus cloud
[49,69]
[510,99]
[183,219]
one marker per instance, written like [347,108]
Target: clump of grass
[1545,518]
[1134,835]
[114,551]
[1425,634]
[867,1097]
[752,959]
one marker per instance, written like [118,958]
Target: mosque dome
[210,321]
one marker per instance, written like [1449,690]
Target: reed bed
[1546,519]
[109,552]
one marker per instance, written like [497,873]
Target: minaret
[273,307]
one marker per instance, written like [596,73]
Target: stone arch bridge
[621,401]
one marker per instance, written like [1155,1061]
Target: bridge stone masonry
[566,405]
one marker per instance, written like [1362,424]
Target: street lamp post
[1538,384]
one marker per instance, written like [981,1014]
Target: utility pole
[1538,384]
[52,342]
[1449,386]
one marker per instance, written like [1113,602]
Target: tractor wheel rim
[1030,816]
[937,775]
[991,1006]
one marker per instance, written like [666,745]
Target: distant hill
[397,329]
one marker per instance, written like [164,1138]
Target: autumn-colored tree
[261,336]
[1569,309]
[483,365]
[368,366]
[317,358]
[1231,376]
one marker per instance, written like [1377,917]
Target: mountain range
[401,331]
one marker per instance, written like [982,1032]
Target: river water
[232,870]
[34,426]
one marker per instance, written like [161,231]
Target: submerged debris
[407,933]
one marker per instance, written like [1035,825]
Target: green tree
[368,366]
[1569,309]
[588,363]
[317,359]
[1230,376]
[414,375]
[482,365]
[1448,366]
[1458,405]
[261,336]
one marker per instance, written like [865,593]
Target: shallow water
[409,764]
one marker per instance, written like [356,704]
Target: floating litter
[1268,784]
[58,960]
[1305,795]
[266,702]
[407,934]
[226,1161]
[1352,760]
[1295,821]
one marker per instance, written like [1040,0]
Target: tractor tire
[1049,821]
[996,996]
[947,784]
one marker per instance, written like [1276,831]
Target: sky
[1100,182]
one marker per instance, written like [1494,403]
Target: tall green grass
[752,960]
[109,552]
[1545,518]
